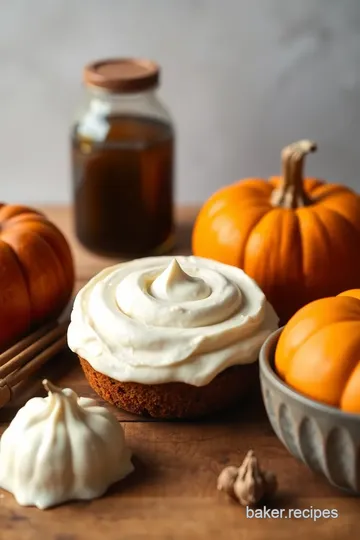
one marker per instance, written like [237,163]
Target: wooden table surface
[172,493]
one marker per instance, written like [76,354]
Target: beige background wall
[242,78]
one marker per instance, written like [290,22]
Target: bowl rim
[266,369]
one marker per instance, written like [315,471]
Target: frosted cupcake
[170,337]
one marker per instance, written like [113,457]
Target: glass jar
[123,161]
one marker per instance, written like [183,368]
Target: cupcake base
[174,400]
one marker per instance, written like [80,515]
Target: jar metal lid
[122,75]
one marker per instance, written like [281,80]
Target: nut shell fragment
[247,483]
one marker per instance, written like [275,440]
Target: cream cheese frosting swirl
[166,319]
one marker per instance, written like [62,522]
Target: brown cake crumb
[174,400]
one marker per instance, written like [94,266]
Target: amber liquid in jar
[123,187]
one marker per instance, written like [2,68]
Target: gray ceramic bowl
[323,437]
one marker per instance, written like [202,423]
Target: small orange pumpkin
[36,271]
[318,352]
[298,238]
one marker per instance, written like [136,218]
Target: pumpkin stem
[291,193]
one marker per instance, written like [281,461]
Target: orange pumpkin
[36,271]
[298,238]
[318,352]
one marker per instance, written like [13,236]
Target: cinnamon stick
[29,347]
[27,356]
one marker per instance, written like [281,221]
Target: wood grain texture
[172,493]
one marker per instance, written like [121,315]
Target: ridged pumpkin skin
[298,238]
[318,353]
[36,271]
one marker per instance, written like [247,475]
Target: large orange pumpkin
[36,271]
[318,352]
[298,238]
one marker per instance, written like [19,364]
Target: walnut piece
[227,480]
[247,483]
